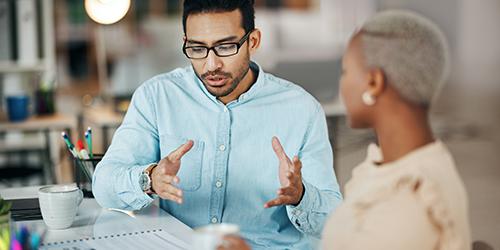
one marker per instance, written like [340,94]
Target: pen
[66,139]
[88,137]
[70,146]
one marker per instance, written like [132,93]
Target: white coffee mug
[59,204]
[211,236]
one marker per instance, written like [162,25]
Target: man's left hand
[290,176]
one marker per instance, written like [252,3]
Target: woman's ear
[254,41]
[377,82]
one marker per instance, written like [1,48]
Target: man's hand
[165,174]
[290,176]
[233,242]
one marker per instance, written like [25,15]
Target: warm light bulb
[107,11]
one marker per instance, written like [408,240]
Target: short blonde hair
[410,49]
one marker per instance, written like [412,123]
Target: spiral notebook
[149,239]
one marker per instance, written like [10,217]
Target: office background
[78,73]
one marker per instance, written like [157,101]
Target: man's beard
[234,81]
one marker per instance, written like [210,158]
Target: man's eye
[197,49]
[226,47]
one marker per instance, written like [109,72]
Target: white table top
[93,220]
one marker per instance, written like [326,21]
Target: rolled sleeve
[321,190]
[133,149]
[298,214]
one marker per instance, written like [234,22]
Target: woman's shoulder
[426,180]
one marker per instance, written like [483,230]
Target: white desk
[94,221]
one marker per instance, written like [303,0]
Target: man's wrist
[148,172]
[301,196]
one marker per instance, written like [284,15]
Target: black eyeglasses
[221,50]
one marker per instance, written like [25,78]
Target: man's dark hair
[217,6]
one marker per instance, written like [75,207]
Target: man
[220,141]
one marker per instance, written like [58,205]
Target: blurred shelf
[39,123]
[12,67]
[103,116]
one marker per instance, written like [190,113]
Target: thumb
[174,158]
[177,154]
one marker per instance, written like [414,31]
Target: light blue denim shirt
[232,170]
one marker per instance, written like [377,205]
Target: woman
[407,194]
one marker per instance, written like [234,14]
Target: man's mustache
[216,73]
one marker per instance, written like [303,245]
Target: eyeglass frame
[238,46]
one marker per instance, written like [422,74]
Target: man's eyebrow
[226,39]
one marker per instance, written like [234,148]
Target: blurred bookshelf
[28,42]
[12,67]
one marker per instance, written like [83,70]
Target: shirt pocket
[191,163]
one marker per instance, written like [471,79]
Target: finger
[279,151]
[177,154]
[169,179]
[281,200]
[169,196]
[166,178]
[171,189]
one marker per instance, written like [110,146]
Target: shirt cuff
[141,198]
[298,214]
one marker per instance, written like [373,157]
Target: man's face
[220,75]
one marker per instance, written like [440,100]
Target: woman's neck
[402,130]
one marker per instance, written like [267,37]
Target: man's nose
[213,61]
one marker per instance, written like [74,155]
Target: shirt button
[214,220]
[222,147]
[225,109]
[218,184]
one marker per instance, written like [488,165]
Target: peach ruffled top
[417,202]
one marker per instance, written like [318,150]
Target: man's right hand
[165,174]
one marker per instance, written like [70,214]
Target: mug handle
[79,198]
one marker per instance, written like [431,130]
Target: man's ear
[254,41]
[377,82]
[184,38]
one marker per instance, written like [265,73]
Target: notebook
[149,239]
[25,209]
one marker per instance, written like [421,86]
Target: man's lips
[216,80]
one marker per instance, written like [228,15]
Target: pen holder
[84,170]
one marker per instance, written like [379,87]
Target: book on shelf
[27,32]
[7,30]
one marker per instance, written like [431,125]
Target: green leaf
[4,206]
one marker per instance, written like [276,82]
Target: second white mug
[211,236]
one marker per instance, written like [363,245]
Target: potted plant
[4,224]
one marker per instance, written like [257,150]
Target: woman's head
[396,54]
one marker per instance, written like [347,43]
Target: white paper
[150,239]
